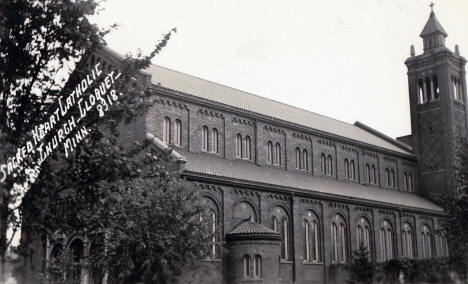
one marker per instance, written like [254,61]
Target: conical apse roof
[249,229]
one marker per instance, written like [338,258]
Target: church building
[293,193]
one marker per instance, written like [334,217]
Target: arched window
[386,241]
[373,175]
[392,177]
[96,271]
[335,241]
[444,246]
[280,224]
[57,250]
[352,169]
[205,138]
[270,152]
[323,164]
[248,148]
[368,173]
[435,84]
[275,224]
[214,140]
[407,181]
[167,130]
[421,96]
[306,239]
[246,266]
[305,160]
[343,242]
[312,237]
[390,174]
[178,133]
[410,182]
[426,242]
[407,241]
[329,165]
[285,234]
[302,159]
[346,168]
[387,175]
[298,159]
[211,221]
[339,239]
[278,154]
[429,89]
[364,235]
[258,266]
[405,175]
[455,88]
[239,146]
[77,250]
[460,91]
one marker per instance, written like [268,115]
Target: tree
[64,269]
[455,226]
[157,234]
[361,269]
[455,230]
[39,41]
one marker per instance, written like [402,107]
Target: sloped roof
[249,226]
[250,229]
[432,26]
[214,92]
[210,165]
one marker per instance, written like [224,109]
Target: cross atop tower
[432,5]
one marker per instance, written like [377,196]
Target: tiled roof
[250,229]
[249,226]
[211,91]
[213,166]
[432,26]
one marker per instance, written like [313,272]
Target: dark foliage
[361,270]
[403,270]
[156,234]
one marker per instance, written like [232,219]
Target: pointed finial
[457,50]
[432,9]
[412,52]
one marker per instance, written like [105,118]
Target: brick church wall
[267,249]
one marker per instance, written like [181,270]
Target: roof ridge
[252,94]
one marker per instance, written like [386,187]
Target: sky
[341,59]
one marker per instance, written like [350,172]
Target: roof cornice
[308,194]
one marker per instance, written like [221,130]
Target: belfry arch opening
[428,89]
[435,84]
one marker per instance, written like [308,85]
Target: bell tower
[438,105]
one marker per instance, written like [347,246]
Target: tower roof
[433,26]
